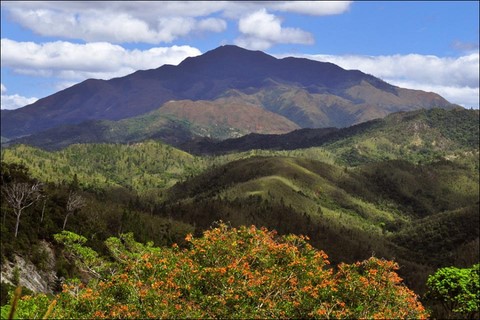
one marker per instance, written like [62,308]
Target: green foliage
[458,289]
[107,213]
[436,238]
[351,197]
[418,136]
[142,166]
[85,258]
[28,307]
[234,273]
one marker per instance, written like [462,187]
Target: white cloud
[235,9]
[465,96]
[147,22]
[460,71]
[456,79]
[10,102]
[99,60]
[315,8]
[212,24]
[150,21]
[260,30]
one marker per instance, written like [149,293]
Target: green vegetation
[409,193]
[142,166]
[237,273]
[418,136]
[458,290]
[105,214]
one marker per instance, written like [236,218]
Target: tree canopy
[241,272]
[458,290]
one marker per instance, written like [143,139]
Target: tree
[228,273]
[21,195]
[457,289]
[74,202]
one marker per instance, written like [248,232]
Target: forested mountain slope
[307,93]
[416,135]
[403,188]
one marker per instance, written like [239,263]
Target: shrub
[457,289]
[236,273]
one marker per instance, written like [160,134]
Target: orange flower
[99,314]
[321,312]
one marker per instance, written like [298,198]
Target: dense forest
[411,198]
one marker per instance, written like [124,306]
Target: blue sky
[49,46]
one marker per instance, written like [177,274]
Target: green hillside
[417,136]
[421,215]
[140,166]
[405,188]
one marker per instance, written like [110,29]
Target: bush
[243,273]
[457,289]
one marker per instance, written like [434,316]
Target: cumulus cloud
[151,21]
[465,96]
[15,101]
[456,79]
[73,61]
[260,30]
[460,71]
[315,8]
[235,9]
[144,22]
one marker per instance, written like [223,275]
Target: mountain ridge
[307,92]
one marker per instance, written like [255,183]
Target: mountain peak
[228,55]
[234,50]
[309,93]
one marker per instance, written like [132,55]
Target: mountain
[415,135]
[177,122]
[307,93]
[423,136]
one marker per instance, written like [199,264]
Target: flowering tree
[244,273]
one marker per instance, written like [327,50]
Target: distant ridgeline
[225,93]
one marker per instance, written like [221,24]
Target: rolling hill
[422,135]
[422,212]
[423,216]
[307,93]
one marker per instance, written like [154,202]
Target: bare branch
[75,201]
[21,195]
